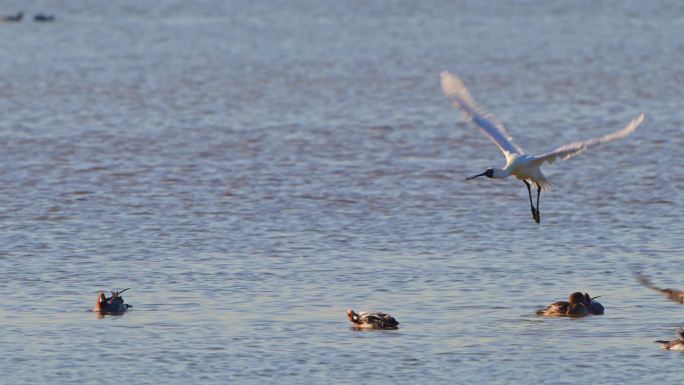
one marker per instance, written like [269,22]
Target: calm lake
[253,169]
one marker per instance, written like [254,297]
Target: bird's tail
[544,183]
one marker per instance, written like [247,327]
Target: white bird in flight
[522,166]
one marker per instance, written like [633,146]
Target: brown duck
[364,320]
[578,305]
[111,305]
[677,344]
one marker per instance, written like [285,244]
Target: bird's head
[489,173]
[576,298]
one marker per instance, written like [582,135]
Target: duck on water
[111,305]
[578,305]
[677,344]
[368,320]
[11,18]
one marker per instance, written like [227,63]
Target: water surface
[253,170]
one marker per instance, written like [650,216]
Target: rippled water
[253,170]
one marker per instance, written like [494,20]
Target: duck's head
[353,317]
[101,299]
[576,298]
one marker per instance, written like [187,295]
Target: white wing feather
[456,91]
[573,149]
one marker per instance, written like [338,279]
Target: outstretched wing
[573,149]
[456,91]
[673,294]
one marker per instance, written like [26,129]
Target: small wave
[656,201]
[49,218]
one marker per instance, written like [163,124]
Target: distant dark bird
[16,17]
[112,305]
[677,344]
[43,18]
[525,167]
[673,294]
[366,320]
[578,305]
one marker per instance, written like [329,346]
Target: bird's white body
[524,167]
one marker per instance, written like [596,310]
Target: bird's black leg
[529,192]
[538,218]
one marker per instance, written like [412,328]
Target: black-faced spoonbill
[522,166]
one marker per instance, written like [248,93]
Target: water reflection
[104,315]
